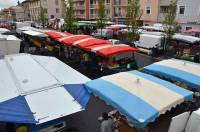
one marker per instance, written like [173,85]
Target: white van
[106,33]
[148,41]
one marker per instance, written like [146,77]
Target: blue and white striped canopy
[138,96]
[179,70]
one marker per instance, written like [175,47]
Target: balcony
[79,7]
[77,0]
[93,6]
[164,2]
[82,16]
[93,16]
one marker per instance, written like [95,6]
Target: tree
[169,24]
[101,15]
[42,17]
[69,16]
[133,19]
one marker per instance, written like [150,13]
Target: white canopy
[3,30]
[34,33]
[186,38]
[41,81]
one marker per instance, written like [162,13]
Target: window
[91,12]
[181,9]
[119,11]
[45,2]
[164,9]
[57,10]
[148,10]
[188,28]
[107,1]
[81,12]
[56,2]
[45,10]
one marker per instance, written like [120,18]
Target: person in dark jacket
[196,58]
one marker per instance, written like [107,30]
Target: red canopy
[117,49]
[56,35]
[193,31]
[92,42]
[90,48]
[114,27]
[74,38]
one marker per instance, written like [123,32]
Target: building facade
[52,8]
[150,11]
[115,10]
[19,11]
[25,5]
[8,14]
[188,14]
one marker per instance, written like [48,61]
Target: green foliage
[133,19]
[69,16]
[101,14]
[42,17]
[170,24]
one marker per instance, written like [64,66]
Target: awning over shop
[91,42]
[179,70]
[114,27]
[115,49]
[186,38]
[117,26]
[138,96]
[47,89]
[71,39]
[34,33]
[56,35]
[194,30]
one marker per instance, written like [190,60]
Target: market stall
[178,70]
[140,98]
[193,32]
[115,58]
[185,46]
[42,94]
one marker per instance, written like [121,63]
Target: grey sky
[8,3]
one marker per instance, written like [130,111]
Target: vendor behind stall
[107,123]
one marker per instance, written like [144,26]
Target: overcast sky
[8,3]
